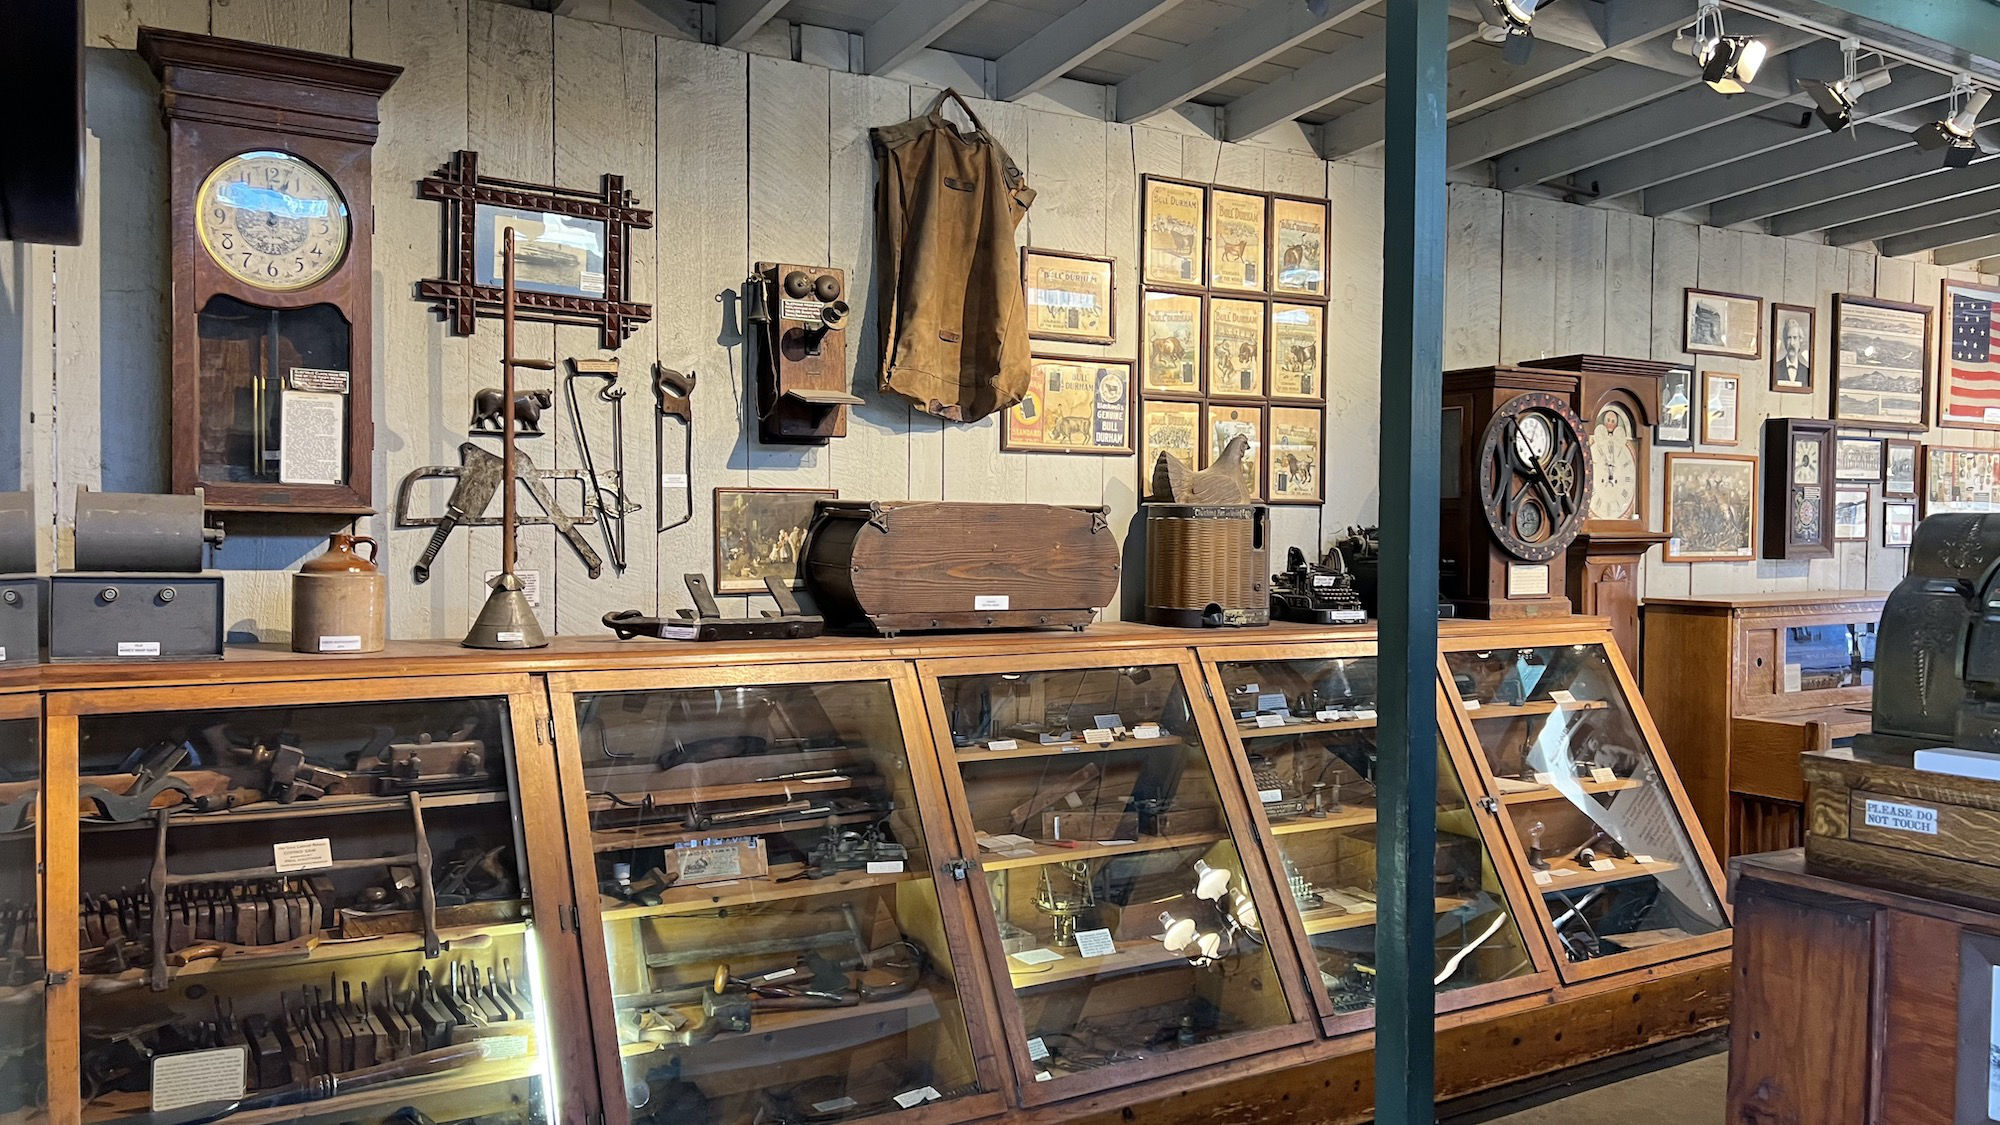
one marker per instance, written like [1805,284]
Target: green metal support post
[1412,402]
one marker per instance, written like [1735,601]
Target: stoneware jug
[340,600]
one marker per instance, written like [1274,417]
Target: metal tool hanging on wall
[478,475]
[610,498]
[673,392]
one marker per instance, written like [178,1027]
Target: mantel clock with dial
[270,212]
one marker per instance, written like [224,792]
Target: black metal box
[114,617]
[22,601]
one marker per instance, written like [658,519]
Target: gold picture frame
[1174,233]
[1297,462]
[760,532]
[1298,352]
[1073,404]
[1167,426]
[1236,240]
[1298,241]
[1172,343]
[1224,420]
[1236,347]
[1711,508]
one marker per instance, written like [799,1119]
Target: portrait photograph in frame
[1170,343]
[1223,421]
[1171,228]
[1881,363]
[1857,458]
[1968,356]
[1729,324]
[1235,240]
[1850,514]
[1167,426]
[1711,507]
[1792,348]
[1721,408]
[1235,358]
[1298,357]
[1677,409]
[1899,523]
[1298,246]
[1899,469]
[761,532]
[1297,436]
[1074,404]
[1069,297]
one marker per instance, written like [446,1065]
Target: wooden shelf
[331,949]
[1322,922]
[685,900]
[324,806]
[778,1023]
[1349,817]
[699,794]
[620,839]
[1136,955]
[1046,853]
[115,1107]
[1248,731]
[1584,877]
[1552,793]
[1537,707]
[1041,749]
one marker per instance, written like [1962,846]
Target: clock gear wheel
[1534,476]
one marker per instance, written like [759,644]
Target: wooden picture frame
[1173,233]
[1073,404]
[478,207]
[1677,409]
[1071,298]
[1167,426]
[1236,241]
[1296,463]
[1721,408]
[1711,503]
[1238,352]
[1798,488]
[1297,345]
[1881,391]
[1968,356]
[1957,479]
[1792,351]
[1173,338]
[1299,228]
[1850,514]
[1221,421]
[1899,523]
[1725,324]
[737,513]
[1857,458]
[1900,468]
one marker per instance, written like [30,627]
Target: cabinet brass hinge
[55,980]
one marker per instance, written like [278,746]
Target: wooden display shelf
[778,1023]
[116,1107]
[682,900]
[1319,922]
[1552,793]
[323,806]
[1045,749]
[1136,956]
[1248,731]
[1346,818]
[329,950]
[1538,707]
[1584,877]
[1047,853]
[618,839]
[600,801]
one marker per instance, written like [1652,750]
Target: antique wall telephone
[798,315]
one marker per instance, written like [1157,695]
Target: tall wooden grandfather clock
[1618,400]
[270,216]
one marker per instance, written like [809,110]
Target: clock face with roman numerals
[1535,476]
[271,220]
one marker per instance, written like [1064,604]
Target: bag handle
[937,117]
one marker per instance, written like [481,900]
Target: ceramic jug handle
[373,548]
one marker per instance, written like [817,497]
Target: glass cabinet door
[775,946]
[1599,831]
[23,1079]
[299,911]
[1306,729]
[1117,903]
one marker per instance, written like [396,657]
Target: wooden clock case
[221,98]
[1485,570]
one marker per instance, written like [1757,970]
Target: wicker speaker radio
[1207,565]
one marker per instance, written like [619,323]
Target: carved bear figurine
[528,407]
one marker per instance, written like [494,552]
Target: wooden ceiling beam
[896,36]
[1074,37]
[1270,29]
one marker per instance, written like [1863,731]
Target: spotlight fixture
[1729,63]
[1834,101]
[1510,23]
[1956,134]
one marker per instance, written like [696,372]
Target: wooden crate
[1873,815]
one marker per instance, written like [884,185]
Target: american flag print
[1972,377]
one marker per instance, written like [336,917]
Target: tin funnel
[506,621]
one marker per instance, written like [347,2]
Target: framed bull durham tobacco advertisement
[1298,366]
[1225,421]
[1296,458]
[1074,404]
[1235,348]
[1069,296]
[1167,427]
[1235,240]
[1298,246]
[1170,352]
[1173,233]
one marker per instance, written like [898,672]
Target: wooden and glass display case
[23,1072]
[1596,824]
[1118,910]
[1301,721]
[769,860]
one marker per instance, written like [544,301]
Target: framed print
[1798,488]
[1167,427]
[1676,427]
[1069,296]
[1235,348]
[1224,421]
[1298,246]
[1296,440]
[1857,458]
[1960,480]
[1170,338]
[1850,514]
[1719,414]
[1881,363]
[760,532]
[1791,348]
[1968,356]
[1171,228]
[1899,469]
[1298,365]
[1235,240]
[1711,507]
[1074,404]
[1899,523]
[1730,324]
